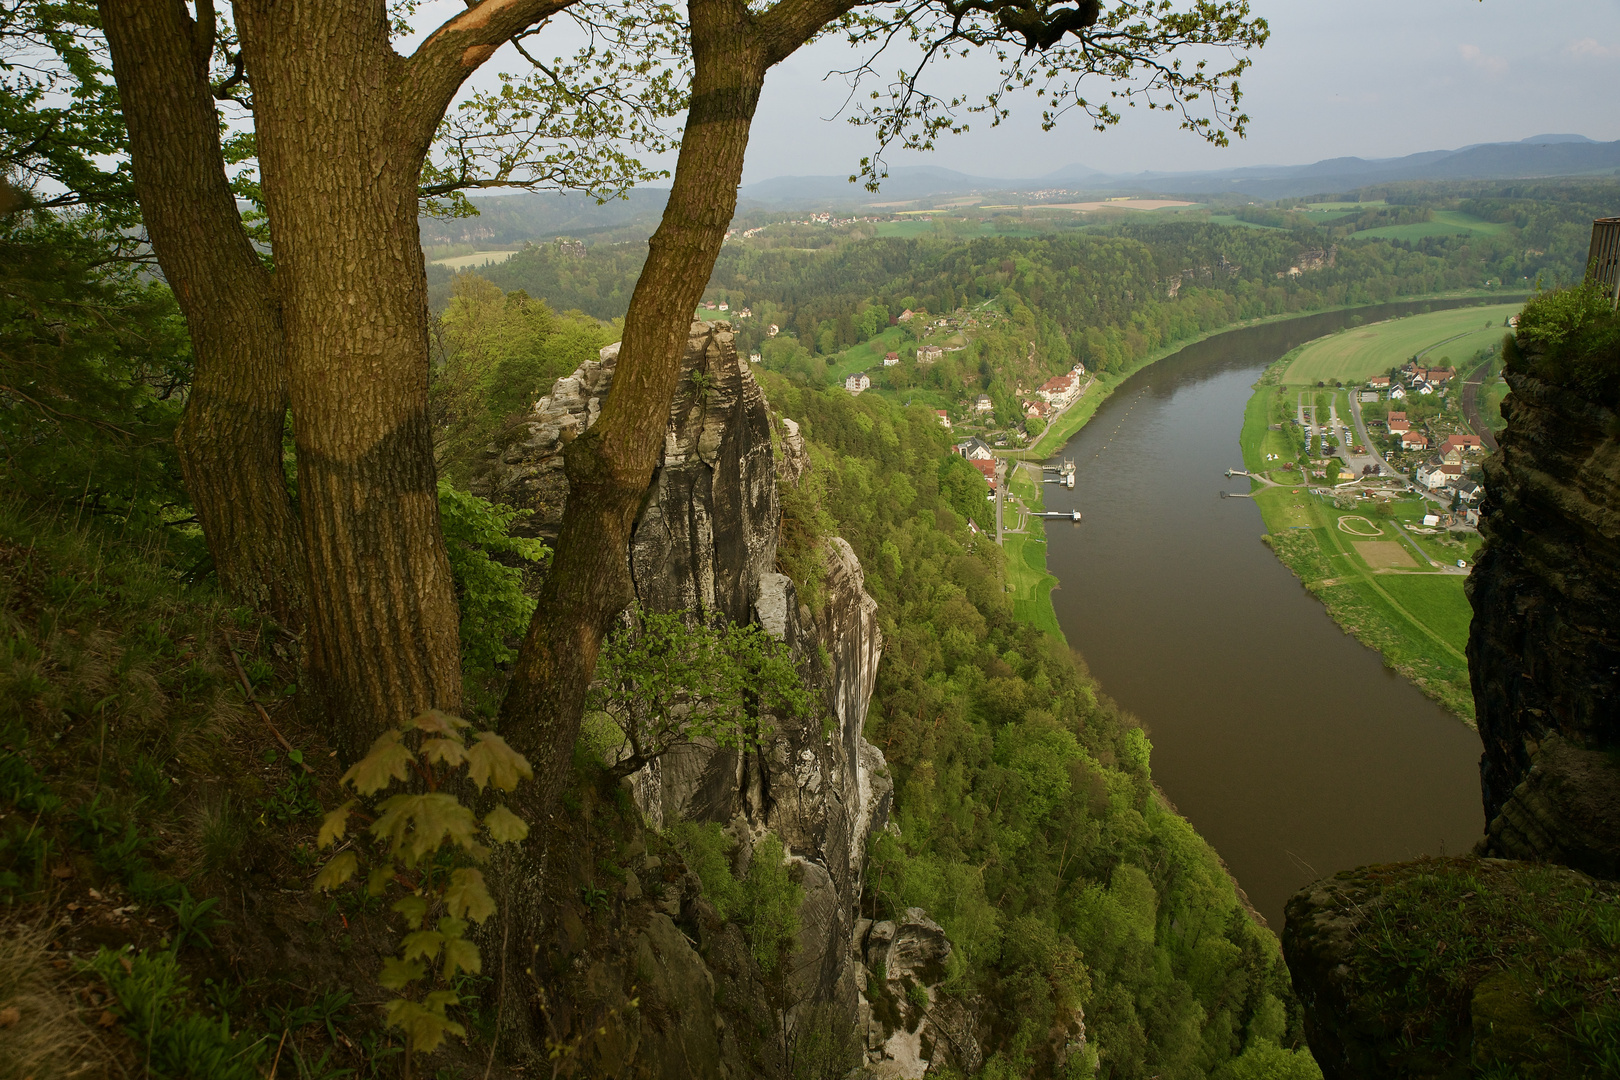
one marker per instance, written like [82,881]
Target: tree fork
[230,439]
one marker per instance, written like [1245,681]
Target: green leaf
[491,761]
[461,955]
[334,824]
[387,760]
[452,928]
[295,756]
[439,722]
[422,943]
[425,1027]
[413,826]
[336,872]
[414,908]
[397,973]
[447,752]
[378,880]
[467,896]
[504,826]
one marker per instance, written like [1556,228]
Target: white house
[772,330]
[927,354]
[1060,390]
[857,382]
[944,418]
[983,404]
[975,449]
[1397,392]
[891,359]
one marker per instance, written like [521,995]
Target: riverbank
[1027,577]
[1392,586]
[1068,423]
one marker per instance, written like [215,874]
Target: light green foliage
[494,609]
[422,841]
[1028,823]
[1571,338]
[151,998]
[764,903]
[665,678]
[497,353]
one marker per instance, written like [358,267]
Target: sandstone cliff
[707,540]
[1544,651]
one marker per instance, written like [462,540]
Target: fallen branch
[247,689]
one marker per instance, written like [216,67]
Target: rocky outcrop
[907,1024]
[707,541]
[1544,650]
[1566,811]
[1443,967]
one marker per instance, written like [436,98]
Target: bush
[1570,338]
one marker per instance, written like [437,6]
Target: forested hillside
[1026,817]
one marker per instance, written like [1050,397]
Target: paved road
[1470,406]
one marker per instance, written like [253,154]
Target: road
[1470,406]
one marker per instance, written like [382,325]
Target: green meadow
[1356,354]
[1441,223]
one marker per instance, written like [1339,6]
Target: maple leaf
[447,752]
[439,722]
[425,1026]
[415,825]
[504,826]
[397,973]
[491,761]
[377,881]
[461,954]
[336,872]
[467,897]
[388,759]
[334,825]
[422,943]
[414,908]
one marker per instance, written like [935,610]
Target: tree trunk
[341,143]
[230,439]
[610,466]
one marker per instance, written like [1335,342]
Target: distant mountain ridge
[1537,156]
[509,219]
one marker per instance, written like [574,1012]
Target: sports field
[1353,356]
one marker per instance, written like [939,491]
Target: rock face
[906,1024]
[707,541]
[1544,650]
[1431,969]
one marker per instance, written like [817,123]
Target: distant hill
[511,219]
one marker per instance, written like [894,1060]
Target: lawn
[1490,406]
[1436,599]
[1356,354]
[1443,223]
[1031,585]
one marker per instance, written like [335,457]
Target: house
[927,354]
[1440,375]
[1430,475]
[1079,368]
[988,468]
[1397,392]
[1431,520]
[1060,390]
[1397,427]
[1379,382]
[753,358]
[891,359]
[772,330]
[944,418]
[904,316]
[1463,444]
[1471,516]
[1036,410]
[724,306]
[1400,417]
[983,404]
[1422,387]
[708,305]
[744,313]
[1414,440]
[1469,490]
[857,382]
[975,449]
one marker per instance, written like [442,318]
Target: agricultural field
[1354,355]
[477,258]
[1442,223]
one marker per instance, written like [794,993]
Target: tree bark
[230,439]
[340,168]
[343,124]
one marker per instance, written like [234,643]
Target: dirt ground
[1384,554]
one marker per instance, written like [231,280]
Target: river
[1285,742]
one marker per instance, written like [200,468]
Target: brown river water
[1287,743]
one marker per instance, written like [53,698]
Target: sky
[1373,79]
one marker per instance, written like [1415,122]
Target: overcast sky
[1378,78]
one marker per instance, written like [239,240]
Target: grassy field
[1233,220]
[1370,574]
[1026,559]
[1355,354]
[479,258]
[917,227]
[1490,404]
[1443,223]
